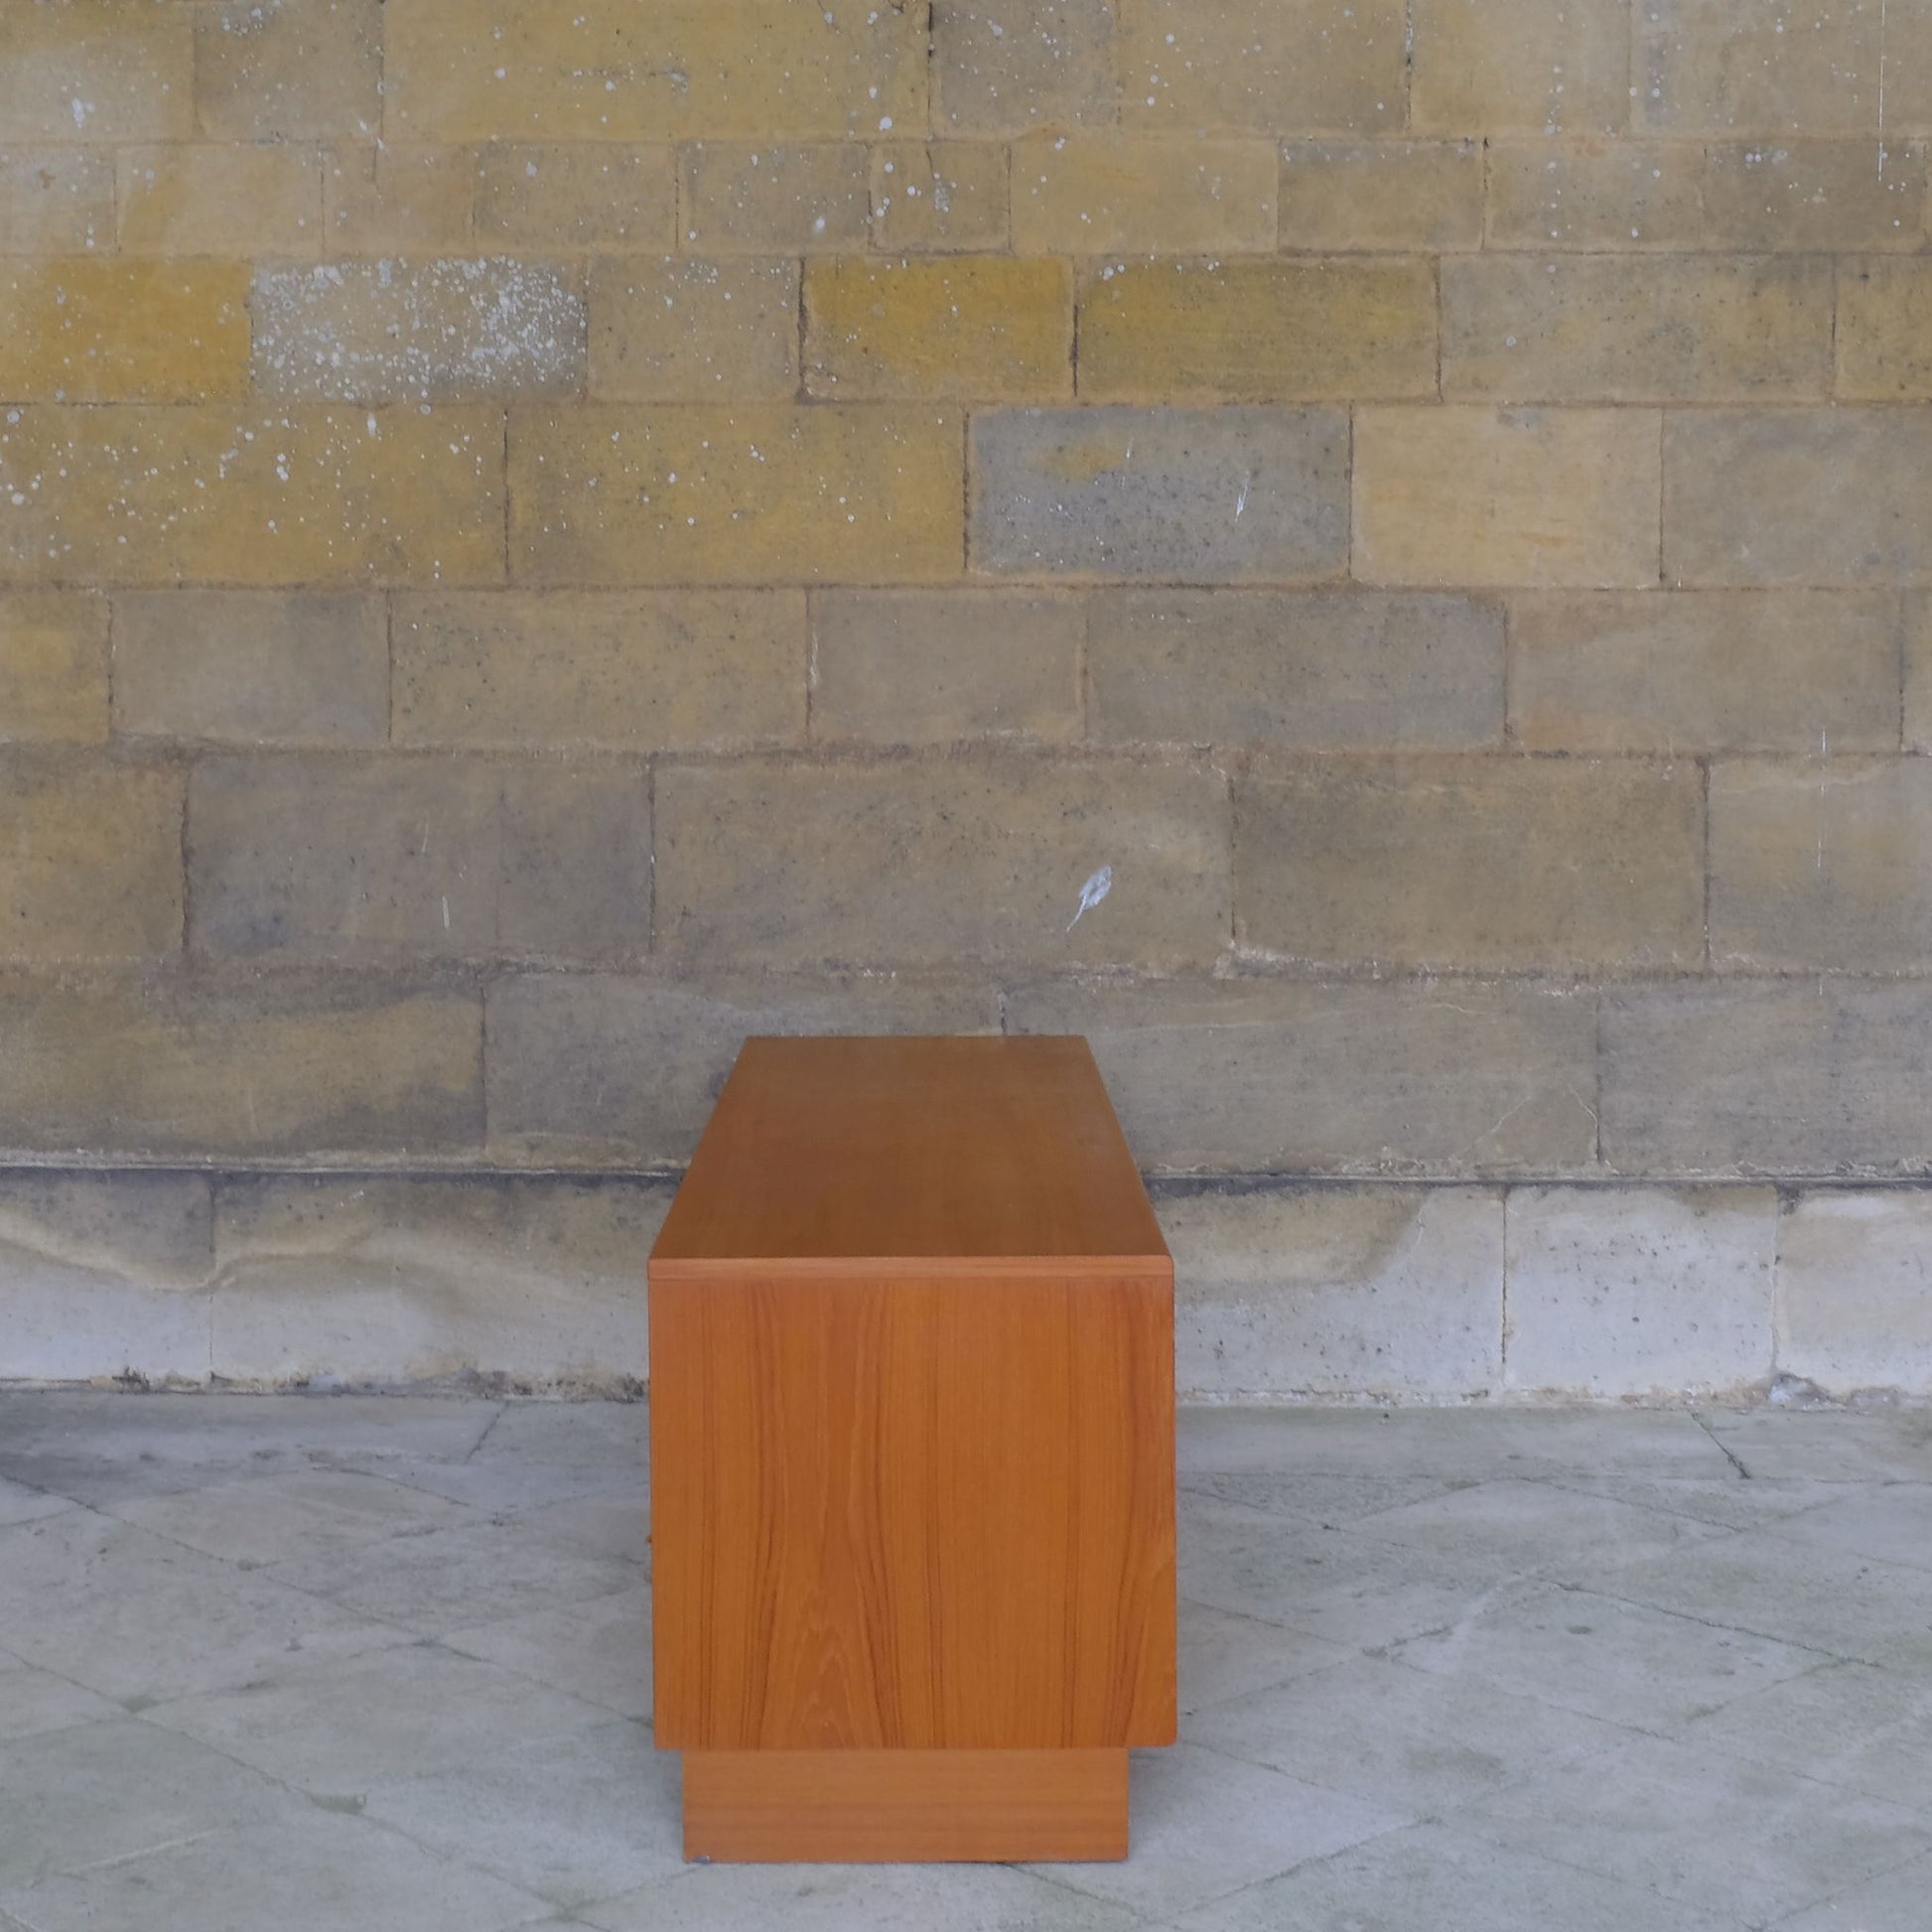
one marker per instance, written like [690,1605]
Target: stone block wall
[538,539]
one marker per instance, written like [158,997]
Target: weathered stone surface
[1704,671]
[371,860]
[1337,195]
[1098,193]
[98,330]
[962,328]
[376,1280]
[594,1070]
[1621,1293]
[941,194]
[924,864]
[1884,348]
[1416,1079]
[589,195]
[1476,495]
[279,73]
[1001,68]
[1309,670]
[1310,66]
[251,495]
[54,666]
[1200,494]
[315,1066]
[927,667]
[1797,497]
[96,70]
[1248,330]
[675,329]
[1810,1076]
[1853,1301]
[737,200]
[204,200]
[1725,63]
[418,332]
[753,493]
[547,69]
[1595,193]
[91,863]
[1821,865]
[1600,330]
[1483,864]
[628,671]
[389,199]
[104,1274]
[1919,671]
[55,200]
[1487,65]
[1335,1291]
[253,667]
[1814,195]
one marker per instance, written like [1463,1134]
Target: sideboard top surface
[957,1155]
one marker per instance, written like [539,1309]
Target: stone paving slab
[324,1663]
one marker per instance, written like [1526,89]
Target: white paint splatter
[1092,892]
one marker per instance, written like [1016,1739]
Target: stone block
[577,195]
[941,861]
[253,667]
[54,666]
[677,330]
[1646,1294]
[55,200]
[549,71]
[1247,331]
[1103,194]
[1814,195]
[105,1275]
[204,200]
[96,70]
[1306,66]
[251,495]
[1595,193]
[1884,348]
[1803,496]
[367,859]
[1598,329]
[418,332]
[1449,1080]
[1854,1300]
[1481,864]
[760,492]
[960,328]
[1307,670]
[90,857]
[1493,66]
[1790,1078]
[1200,494]
[1300,1291]
[1474,495]
[593,1069]
[1919,671]
[288,73]
[624,671]
[1339,196]
[533,1281]
[736,200]
[1820,865]
[999,69]
[930,667]
[399,199]
[940,196]
[1690,671]
[318,1068]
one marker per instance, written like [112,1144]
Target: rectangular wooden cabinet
[912,1378]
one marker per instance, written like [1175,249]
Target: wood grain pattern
[946,1151]
[862,1806]
[913,1513]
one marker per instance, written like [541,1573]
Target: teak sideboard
[912,1379]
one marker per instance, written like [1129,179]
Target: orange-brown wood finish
[862,1807]
[912,1454]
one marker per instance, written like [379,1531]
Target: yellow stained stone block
[210,201]
[1098,193]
